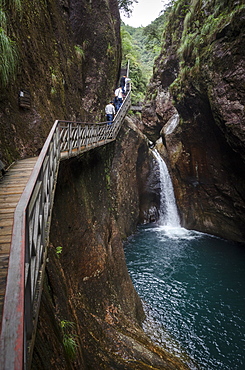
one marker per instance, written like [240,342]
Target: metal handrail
[30,235]
[77,137]
[27,254]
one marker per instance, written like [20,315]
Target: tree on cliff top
[126,6]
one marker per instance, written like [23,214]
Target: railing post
[70,138]
[79,138]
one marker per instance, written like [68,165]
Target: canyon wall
[195,104]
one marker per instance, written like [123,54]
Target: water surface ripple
[193,288]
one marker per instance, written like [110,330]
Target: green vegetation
[58,250]
[126,5]
[110,50]
[69,341]
[3,19]
[8,50]
[154,36]
[79,52]
[131,52]
[190,30]
[8,58]
[141,46]
[12,5]
[147,42]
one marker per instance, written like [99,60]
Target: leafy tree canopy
[141,46]
[130,52]
[126,6]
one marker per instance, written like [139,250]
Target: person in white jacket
[110,112]
[118,98]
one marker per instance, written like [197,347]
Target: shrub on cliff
[8,51]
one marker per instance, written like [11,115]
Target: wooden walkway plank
[5,238]
[6,222]
[4,249]
[5,205]
[11,191]
[9,198]
[21,167]
[14,189]
[5,216]
[9,181]
[5,229]
[6,210]
[11,188]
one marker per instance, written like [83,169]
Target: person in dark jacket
[122,83]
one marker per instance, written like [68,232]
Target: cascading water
[168,209]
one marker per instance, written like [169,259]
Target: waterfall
[168,209]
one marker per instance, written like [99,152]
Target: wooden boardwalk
[25,218]
[11,189]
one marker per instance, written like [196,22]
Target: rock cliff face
[195,102]
[68,61]
[87,285]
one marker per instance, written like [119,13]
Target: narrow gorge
[69,60]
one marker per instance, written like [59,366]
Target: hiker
[122,83]
[127,85]
[110,112]
[118,98]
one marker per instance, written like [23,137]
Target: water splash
[168,210]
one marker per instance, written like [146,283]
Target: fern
[79,51]
[3,19]
[8,50]
[69,341]
[70,346]
[8,58]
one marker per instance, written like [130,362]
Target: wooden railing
[31,233]
[77,137]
